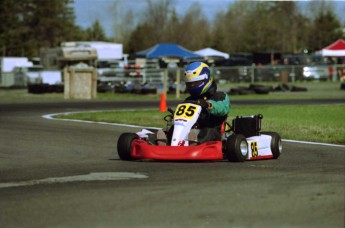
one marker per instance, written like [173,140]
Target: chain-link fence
[282,73]
[166,79]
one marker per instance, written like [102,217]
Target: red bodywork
[207,151]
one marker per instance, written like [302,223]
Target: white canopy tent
[210,52]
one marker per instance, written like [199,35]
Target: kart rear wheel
[236,148]
[276,143]
[124,146]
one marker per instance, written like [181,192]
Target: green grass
[316,90]
[21,95]
[319,123]
[316,123]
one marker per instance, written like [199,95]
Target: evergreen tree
[95,33]
[11,27]
[325,30]
[140,39]
[28,25]
[194,30]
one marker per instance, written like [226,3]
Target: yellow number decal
[254,147]
[185,111]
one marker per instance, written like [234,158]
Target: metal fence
[265,73]
[283,73]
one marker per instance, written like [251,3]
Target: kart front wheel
[124,146]
[236,148]
[276,143]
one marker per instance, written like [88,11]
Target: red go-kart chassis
[211,150]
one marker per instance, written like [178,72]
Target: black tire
[262,90]
[246,91]
[124,146]
[298,89]
[236,148]
[342,86]
[234,91]
[276,143]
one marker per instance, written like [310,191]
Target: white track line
[51,117]
[313,143]
[106,176]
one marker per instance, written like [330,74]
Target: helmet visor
[191,85]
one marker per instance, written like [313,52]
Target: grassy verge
[316,90]
[316,123]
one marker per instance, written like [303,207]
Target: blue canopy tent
[167,50]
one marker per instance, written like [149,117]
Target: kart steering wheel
[206,111]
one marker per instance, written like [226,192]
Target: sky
[87,11]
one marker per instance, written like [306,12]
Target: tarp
[167,50]
[210,52]
[9,63]
[336,49]
[105,50]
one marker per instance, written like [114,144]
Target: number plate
[186,111]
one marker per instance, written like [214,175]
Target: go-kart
[240,142]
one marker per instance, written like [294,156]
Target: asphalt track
[45,182]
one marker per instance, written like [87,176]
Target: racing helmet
[198,78]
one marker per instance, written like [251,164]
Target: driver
[203,91]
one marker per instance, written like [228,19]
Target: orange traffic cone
[163,103]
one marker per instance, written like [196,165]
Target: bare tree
[124,23]
[260,26]
[157,15]
[194,29]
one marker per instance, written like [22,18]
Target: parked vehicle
[319,72]
[7,67]
[234,69]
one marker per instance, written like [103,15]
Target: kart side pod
[248,143]
[266,146]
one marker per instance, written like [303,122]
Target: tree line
[245,26]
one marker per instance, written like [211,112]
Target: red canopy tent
[336,49]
